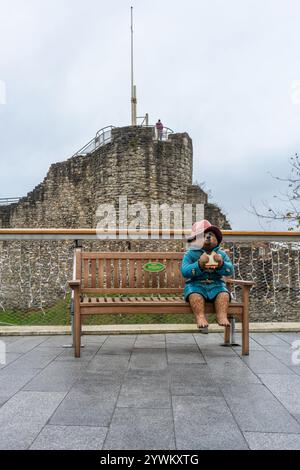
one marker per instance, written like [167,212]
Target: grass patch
[59,314]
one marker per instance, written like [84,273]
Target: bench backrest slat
[155,279]
[170,277]
[139,273]
[100,273]
[108,273]
[124,272]
[116,273]
[146,275]
[93,273]
[86,263]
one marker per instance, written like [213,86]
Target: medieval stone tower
[133,163]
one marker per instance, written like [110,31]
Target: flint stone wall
[34,275]
[133,164]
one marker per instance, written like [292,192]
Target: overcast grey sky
[223,71]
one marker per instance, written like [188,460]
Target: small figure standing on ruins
[159,129]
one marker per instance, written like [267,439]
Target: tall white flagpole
[133,88]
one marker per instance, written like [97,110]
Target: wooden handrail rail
[93,231]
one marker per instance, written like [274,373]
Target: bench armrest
[74,283]
[239,282]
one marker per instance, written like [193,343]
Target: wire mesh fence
[34,277]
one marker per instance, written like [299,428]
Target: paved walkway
[161,391]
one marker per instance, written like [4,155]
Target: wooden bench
[99,275]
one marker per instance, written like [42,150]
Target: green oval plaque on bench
[154,267]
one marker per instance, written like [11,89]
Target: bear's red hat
[202,227]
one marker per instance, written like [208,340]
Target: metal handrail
[145,121]
[166,131]
[103,131]
[103,136]
[93,233]
[4,201]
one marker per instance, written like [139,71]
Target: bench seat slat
[148,307]
[146,301]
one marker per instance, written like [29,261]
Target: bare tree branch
[291,197]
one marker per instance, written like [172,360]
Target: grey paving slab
[180,338]
[230,370]
[86,408]
[123,338]
[211,345]
[91,401]
[86,354]
[151,337]
[70,438]
[55,341]
[36,359]
[184,354]
[25,343]
[120,340]
[109,362]
[192,379]
[23,417]
[9,358]
[4,397]
[57,377]
[13,378]
[209,340]
[117,345]
[256,409]
[253,345]
[272,441]
[283,353]
[119,350]
[289,337]
[286,390]
[150,341]
[145,389]
[10,339]
[90,344]
[96,340]
[218,352]
[205,423]
[296,369]
[141,429]
[267,339]
[263,362]
[148,359]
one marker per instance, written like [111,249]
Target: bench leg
[77,326]
[227,335]
[245,322]
[245,342]
[77,335]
